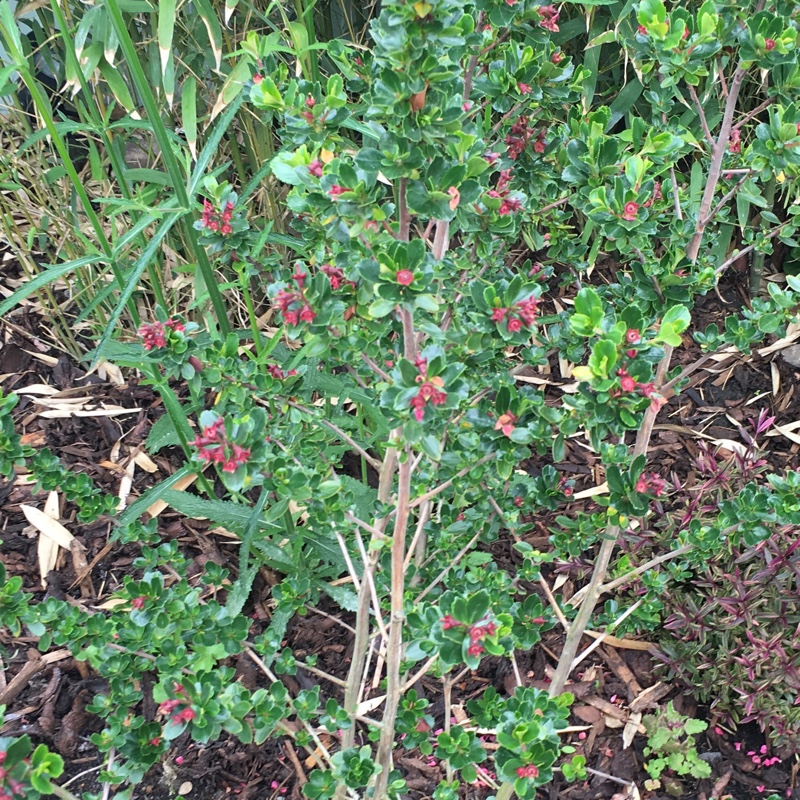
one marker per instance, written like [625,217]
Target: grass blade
[189,114]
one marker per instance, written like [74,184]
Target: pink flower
[557,57]
[315,168]
[336,190]
[449,622]
[499,314]
[514,325]
[307,314]
[257,78]
[630,211]
[153,335]
[641,485]
[735,142]
[769,45]
[641,30]
[632,336]
[539,146]
[405,277]
[475,649]
[529,771]
[524,88]
[627,383]
[179,760]
[505,423]
[187,715]
[310,102]
[527,310]
[138,602]
[549,15]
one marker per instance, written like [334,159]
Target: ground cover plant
[352,333]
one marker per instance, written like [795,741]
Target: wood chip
[47,548]
[622,671]
[649,697]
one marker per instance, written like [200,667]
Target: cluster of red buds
[429,392]
[476,632]
[179,709]
[293,305]
[279,374]
[630,211]
[549,15]
[521,133]
[214,447]
[308,115]
[508,205]
[656,195]
[528,771]
[651,483]
[154,334]
[735,142]
[215,221]
[336,276]
[520,314]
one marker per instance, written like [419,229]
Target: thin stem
[749,249]
[395,643]
[581,621]
[715,168]
[702,114]
[442,486]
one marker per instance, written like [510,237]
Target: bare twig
[745,250]
[702,114]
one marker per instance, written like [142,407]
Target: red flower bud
[769,45]
[405,277]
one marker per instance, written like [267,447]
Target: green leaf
[166,28]
[603,358]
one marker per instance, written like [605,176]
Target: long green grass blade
[166,30]
[170,161]
[189,113]
[52,273]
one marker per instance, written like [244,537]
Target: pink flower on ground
[527,310]
[630,211]
[405,277]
